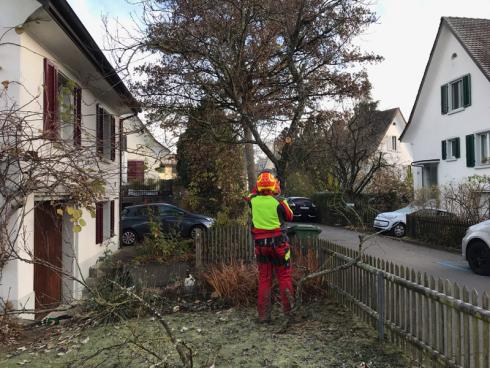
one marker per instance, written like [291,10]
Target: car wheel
[398,230]
[129,237]
[195,231]
[478,255]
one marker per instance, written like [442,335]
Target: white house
[47,59]
[143,156]
[449,126]
[395,152]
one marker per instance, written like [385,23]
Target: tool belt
[270,242]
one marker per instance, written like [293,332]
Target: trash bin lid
[303,228]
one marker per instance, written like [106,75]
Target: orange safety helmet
[266,181]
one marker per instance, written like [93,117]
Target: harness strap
[270,242]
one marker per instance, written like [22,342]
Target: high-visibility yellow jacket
[269,215]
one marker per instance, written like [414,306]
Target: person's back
[269,215]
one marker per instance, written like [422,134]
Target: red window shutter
[136,171]
[99,222]
[113,138]
[100,129]
[112,218]
[77,132]
[50,123]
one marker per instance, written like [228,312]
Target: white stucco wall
[141,146]
[429,127]
[25,65]
[402,157]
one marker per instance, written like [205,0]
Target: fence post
[380,291]
[198,246]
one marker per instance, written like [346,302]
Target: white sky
[403,35]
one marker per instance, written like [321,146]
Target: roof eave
[65,17]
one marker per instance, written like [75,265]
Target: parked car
[135,221]
[303,208]
[476,248]
[396,221]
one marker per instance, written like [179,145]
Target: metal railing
[148,187]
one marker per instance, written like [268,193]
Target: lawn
[326,335]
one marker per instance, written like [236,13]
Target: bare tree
[352,141]
[469,199]
[267,64]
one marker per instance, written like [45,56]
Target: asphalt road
[438,263]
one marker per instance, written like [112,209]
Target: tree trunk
[281,172]
[250,159]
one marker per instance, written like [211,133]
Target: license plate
[305,208]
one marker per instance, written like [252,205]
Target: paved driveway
[438,263]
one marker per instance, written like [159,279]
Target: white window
[104,221]
[456,95]
[393,143]
[453,148]
[482,148]
[106,134]
[66,107]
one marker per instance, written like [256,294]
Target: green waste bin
[303,232]
[303,236]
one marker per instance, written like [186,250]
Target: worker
[272,250]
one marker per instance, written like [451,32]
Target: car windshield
[408,209]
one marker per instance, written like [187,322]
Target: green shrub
[162,246]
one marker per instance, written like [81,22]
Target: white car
[476,248]
[396,221]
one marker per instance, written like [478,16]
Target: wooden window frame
[106,146]
[51,116]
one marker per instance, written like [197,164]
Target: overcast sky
[403,36]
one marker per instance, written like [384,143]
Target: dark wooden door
[47,248]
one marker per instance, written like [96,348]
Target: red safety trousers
[273,259]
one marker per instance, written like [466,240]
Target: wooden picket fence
[443,231]
[223,244]
[437,322]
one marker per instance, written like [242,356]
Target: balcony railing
[147,188]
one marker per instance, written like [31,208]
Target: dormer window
[456,95]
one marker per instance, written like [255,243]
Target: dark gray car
[135,221]
[303,209]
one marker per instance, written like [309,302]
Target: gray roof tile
[474,35]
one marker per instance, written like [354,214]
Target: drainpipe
[121,133]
